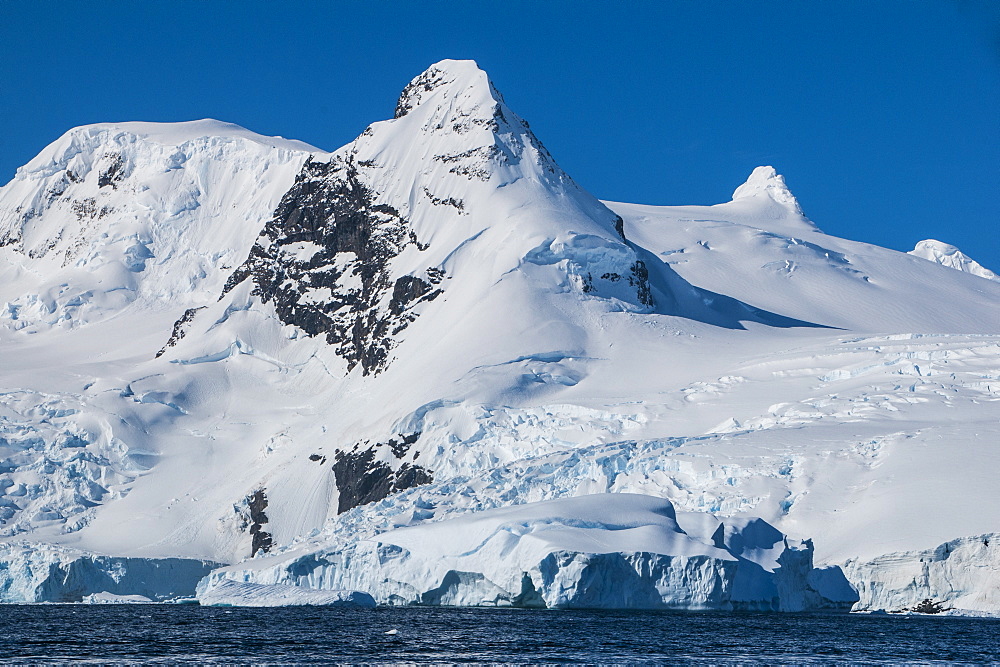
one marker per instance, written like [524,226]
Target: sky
[884,117]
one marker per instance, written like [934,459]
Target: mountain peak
[766,182]
[459,83]
[950,256]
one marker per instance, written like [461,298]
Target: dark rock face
[640,280]
[113,173]
[620,227]
[424,83]
[86,209]
[323,259]
[260,539]
[402,446]
[362,480]
[178,332]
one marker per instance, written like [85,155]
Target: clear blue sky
[883,116]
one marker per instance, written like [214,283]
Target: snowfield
[429,368]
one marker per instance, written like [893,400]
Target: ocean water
[175,633]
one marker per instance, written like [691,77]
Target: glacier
[226,352]
[960,575]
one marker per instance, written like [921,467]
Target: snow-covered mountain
[243,353]
[949,255]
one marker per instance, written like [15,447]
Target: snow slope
[759,247]
[159,212]
[108,237]
[217,345]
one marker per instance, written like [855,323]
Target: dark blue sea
[177,633]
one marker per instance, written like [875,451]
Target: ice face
[229,593]
[47,573]
[593,551]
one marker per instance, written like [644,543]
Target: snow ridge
[116,213]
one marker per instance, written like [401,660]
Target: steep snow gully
[429,368]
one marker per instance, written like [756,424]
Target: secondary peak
[766,182]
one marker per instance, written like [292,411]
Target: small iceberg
[111,598]
[229,593]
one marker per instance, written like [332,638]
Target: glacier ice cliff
[44,573]
[621,551]
[962,574]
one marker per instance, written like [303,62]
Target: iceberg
[110,598]
[229,593]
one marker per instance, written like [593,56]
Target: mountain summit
[457,83]
[370,234]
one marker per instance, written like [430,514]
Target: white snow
[765,182]
[833,389]
[155,213]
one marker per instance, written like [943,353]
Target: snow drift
[950,256]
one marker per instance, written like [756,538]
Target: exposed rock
[113,173]
[640,280]
[620,227]
[361,479]
[929,606]
[324,259]
[178,333]
[260,539]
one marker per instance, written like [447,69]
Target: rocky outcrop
[363,476]
[323,260]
